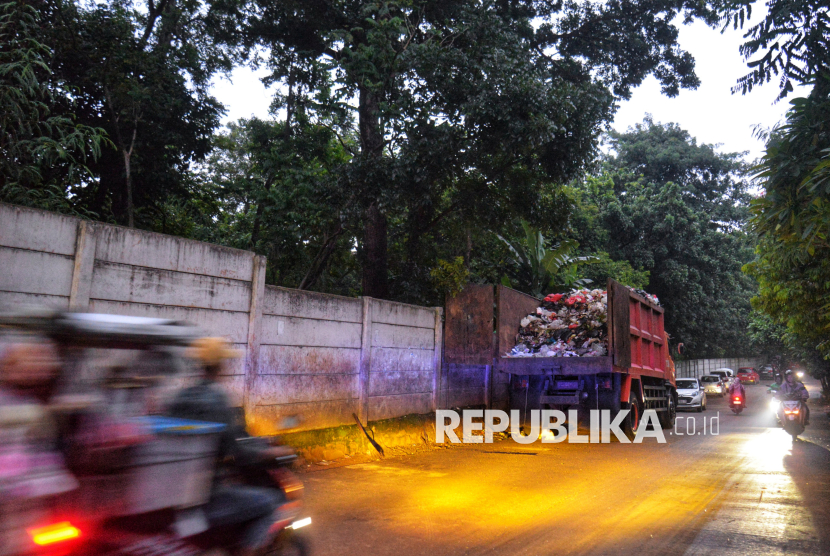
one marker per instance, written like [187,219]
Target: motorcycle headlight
[773,405]
[799,374]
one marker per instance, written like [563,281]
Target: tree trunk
[129,182]
[375,262]
[469,253]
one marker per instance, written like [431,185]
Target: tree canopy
[674,209]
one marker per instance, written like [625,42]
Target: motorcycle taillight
[51,535]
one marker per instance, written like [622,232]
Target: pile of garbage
[566,325]
[645,295]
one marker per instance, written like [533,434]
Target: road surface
[745,491]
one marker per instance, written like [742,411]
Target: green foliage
[450,277]
[140,71]
[42,154]
[537,269]
[791,42]
[466,111]
[271,189]
[604,267]
[792,221]
[675,210]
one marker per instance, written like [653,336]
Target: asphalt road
[747,490]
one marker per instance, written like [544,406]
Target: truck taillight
[52,534]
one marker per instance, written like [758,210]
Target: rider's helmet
[788,372]
[212,354]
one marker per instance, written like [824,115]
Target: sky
[711,113]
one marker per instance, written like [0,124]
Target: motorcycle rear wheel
[290,545]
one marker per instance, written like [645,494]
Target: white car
[713,384]
[690,394]
[728,375]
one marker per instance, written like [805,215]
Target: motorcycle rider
[31,468]
[737,389]
[252,507]
[793,387]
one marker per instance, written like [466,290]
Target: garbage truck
[636,374]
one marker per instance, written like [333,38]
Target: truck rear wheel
[667,418]
[632,420]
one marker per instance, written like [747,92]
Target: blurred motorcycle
[139,483]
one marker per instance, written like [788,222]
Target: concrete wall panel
[293,331]
[282,389]
[120,282]
[17,299]
[405,337]
[37,230]
[35,272]
[140,248]
[388,407]
[265,419]
[286,360]
[390,312]
[233,326]
[390,383]
[312,305]
[396,359]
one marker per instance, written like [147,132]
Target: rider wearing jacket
[206,401]
[737,389]
[792,387]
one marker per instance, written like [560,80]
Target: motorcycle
[61,530]
[790,414]
[136,489]
[737,403]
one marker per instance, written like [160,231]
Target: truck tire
[668,417]
[632,421]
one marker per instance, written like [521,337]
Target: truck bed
[555,365]
[636,343]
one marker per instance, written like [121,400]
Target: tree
[792,40]
[277,196]
[141,73]
[467,108]
[792,221]
[42,154]
[675,209]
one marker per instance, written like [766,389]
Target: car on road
[727,375]
[749,375]
[713,384]
[690,394]
[767,372]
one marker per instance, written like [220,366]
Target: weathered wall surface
[695,368]
[320,356]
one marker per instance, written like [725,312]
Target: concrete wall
[695,368]
[320,356]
